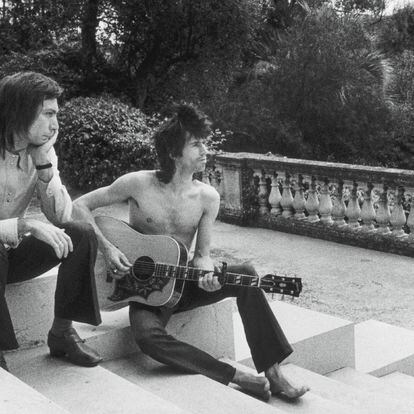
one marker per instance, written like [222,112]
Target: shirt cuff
[8,232]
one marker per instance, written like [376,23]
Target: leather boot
[70,345]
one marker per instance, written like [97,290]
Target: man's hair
[21,95]
[171,137]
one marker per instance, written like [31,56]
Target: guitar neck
[194,274]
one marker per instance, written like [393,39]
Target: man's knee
[149,339]
[79,231]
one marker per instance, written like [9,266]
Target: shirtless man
[171,202]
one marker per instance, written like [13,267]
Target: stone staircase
[362,368]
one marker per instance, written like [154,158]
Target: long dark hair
[171,137]
[21,95]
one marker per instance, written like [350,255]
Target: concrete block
[209,328]
[16,397]
[321,343]
[309,403]
[373,384]
[31,305]
[381,348]
[90,390]
[365,401]
[194,393]
[402,381]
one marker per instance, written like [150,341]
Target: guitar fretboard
[194,274]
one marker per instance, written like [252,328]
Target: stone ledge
[344,235]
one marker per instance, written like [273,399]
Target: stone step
[309,403]
[89,390]
[373,384]
[321,343]
[365,401]
[400,380]
[16,397]
[194,393]
[381,348]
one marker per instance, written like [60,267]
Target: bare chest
[167,214]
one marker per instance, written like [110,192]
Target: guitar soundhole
[143,268]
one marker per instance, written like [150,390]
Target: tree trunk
[89,26]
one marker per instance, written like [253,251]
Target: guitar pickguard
[130,286]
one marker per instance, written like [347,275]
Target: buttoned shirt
[18,183]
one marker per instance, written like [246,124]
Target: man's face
[194,155]
[45,126]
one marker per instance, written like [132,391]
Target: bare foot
[253,384]
[279,385]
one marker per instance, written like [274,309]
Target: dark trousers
[75,295]
[267,342]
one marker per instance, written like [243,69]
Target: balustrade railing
[369,206]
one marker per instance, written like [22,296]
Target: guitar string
[164,270]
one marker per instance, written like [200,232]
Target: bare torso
[154,208]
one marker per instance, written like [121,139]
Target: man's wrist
[45,175]
[23,226]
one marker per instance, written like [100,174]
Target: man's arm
[119,191]
[55,200]
[202,259]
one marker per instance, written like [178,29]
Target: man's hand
[48,233]
[209,282]
[117,263]
[39,153]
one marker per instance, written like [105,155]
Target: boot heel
[57,353]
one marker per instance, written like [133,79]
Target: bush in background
[101,139]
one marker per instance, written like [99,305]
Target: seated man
[171,202]
[29,247]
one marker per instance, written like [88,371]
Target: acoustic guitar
[159,271]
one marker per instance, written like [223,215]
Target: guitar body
[143,284]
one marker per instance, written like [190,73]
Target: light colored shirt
[18,182]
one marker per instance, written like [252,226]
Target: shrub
[101,139]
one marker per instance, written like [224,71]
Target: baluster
[214,180]
[339,207]
[287,198]
[299,201]
[220,186]
[368,211]
[262,195]
[383,212]
[398,218]
[353,211]
[275,197]
[410,220]
[312,203]
[325,204]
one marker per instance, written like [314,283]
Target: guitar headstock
[286,285]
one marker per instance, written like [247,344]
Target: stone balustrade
[366,206]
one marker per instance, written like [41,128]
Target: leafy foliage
[319,91]
[101,139]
